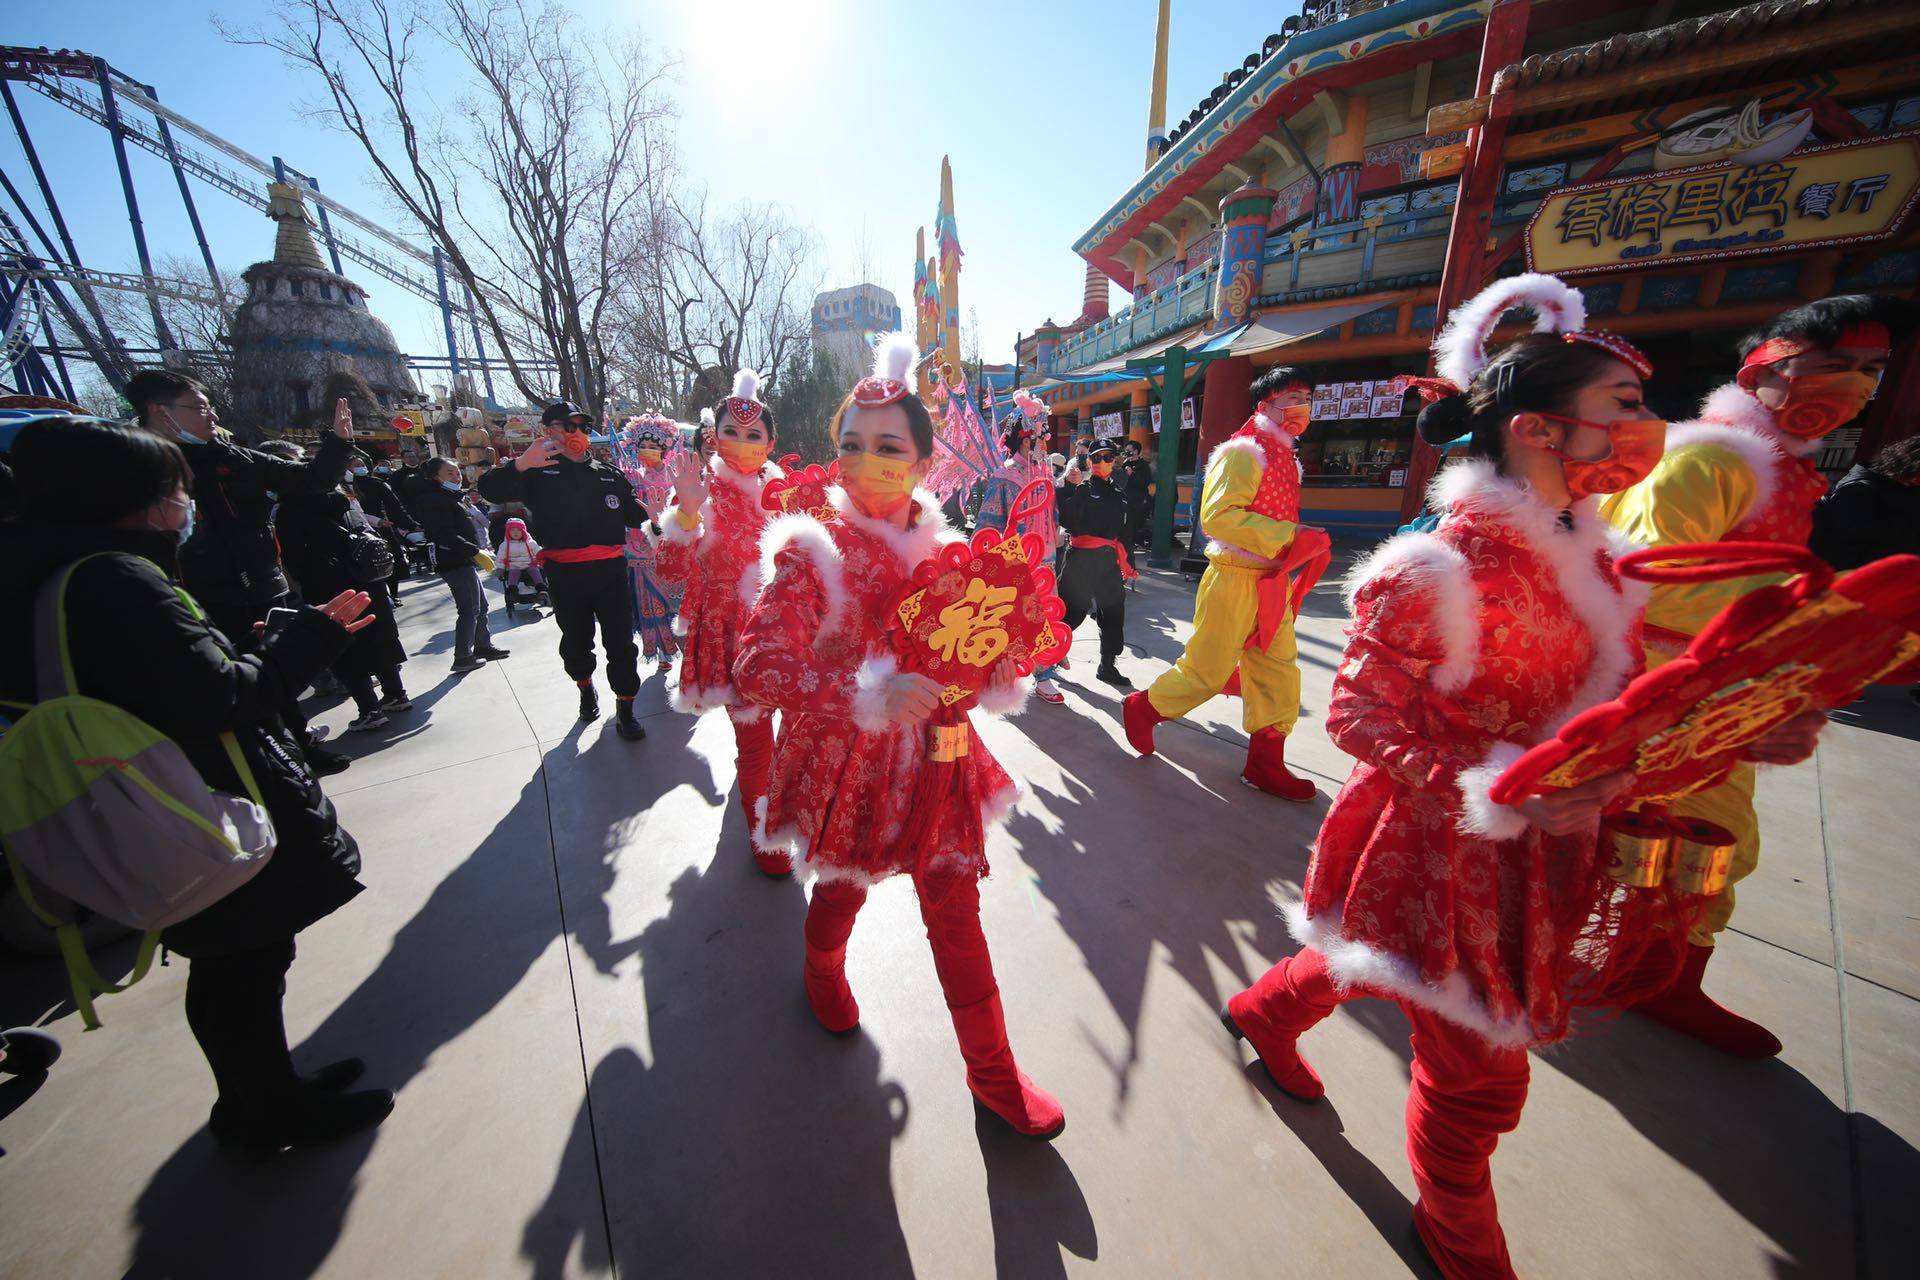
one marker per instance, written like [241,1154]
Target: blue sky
[838,110]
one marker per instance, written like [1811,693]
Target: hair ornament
[893,358]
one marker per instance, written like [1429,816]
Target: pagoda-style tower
[1157,94]
[304,336]
[947,235]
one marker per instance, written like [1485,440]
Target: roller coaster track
[83,99]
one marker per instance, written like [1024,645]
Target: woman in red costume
[711,544]
[1488,924]
[854,742]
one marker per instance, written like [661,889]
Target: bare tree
[198,323]
[726,293]
[538,184]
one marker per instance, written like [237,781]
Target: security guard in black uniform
[579,511]
[1096,514]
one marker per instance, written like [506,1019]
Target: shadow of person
[747,1141]
[1033,1201]
[1202,899]
[438,978]
[1810,1176]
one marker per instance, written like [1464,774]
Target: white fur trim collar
[910,545]
[1359,964]
[809,537]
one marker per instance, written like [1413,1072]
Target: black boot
[623,722]
[1109,674]
[335,1076]
[491,652]
[589,703]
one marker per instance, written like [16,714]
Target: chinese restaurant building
[1694,169]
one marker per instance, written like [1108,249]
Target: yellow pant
[1225,613]
[1730,805]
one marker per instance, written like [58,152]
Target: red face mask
[1637,446]
[574,444]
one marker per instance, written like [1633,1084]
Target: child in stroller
[518,555]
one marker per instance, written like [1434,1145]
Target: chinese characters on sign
[1834,194]
[970,628]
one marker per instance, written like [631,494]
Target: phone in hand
[277,620]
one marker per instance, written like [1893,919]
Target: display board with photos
[1365,400]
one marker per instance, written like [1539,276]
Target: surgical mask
[359,471]
[1818,403]
[452,487]
[1637,446]
[1102,469]
[180,433]
[1294,419]
[743,457]
[878,486]
[380,471]
[185,530]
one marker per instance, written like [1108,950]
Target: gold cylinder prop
[1640,848]
[947,742]
[1702,855]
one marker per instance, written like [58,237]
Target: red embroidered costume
[845,774]
[716,555]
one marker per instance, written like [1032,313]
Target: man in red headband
[1743,471]
[1243,615]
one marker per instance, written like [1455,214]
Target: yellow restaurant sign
[1838,194]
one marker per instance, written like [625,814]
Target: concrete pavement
[589,1003]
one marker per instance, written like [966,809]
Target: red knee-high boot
[753,743]
[829,924]
[1691,1011]
[1464,1094]
[1270,1015]
[1267,768]
[951,910]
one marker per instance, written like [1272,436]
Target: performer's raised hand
[911,698]
[1576,809]
[343,419]
[1790,742]
[689,487]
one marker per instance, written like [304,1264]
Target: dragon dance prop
[965,609]
[1814,642]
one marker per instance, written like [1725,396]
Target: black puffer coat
[314,543]
[137,644]
[1867,516]
[444,519]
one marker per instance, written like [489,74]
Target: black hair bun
[1446,419]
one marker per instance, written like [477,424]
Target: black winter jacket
[380,502]
[1095,508]
[137,644]
[1866,517]
[569,504]
[444,519]
[315,544]
[232,562]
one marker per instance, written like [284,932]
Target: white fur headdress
[893,359]
[1460,352]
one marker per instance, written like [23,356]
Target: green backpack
[99,808]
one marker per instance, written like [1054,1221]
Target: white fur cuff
[1010,701]
[1479,815]
[870,692]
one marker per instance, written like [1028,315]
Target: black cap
[1102,447]
[561,411]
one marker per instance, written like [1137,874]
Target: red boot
[829,924]
[1139,716]
[1688,1010]
[753,745]
[1270,1015]
[997,1083]
[1267,768]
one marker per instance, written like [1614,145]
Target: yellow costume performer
[1742,472]
[1243,617]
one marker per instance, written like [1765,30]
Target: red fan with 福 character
[803,490]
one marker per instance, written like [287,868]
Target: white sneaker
[1046,691]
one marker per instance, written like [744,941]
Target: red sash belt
[1309,555]
[1085,542]
[578,555]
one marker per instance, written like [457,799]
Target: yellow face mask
[743,457]
[877,485]
[1296,418]
[648,457]
[1103,469]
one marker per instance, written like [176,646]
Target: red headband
[1614,345]
[1869,335]
[744,412]
[877,393]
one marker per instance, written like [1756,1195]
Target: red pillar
[1227,404]
[1503,42]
